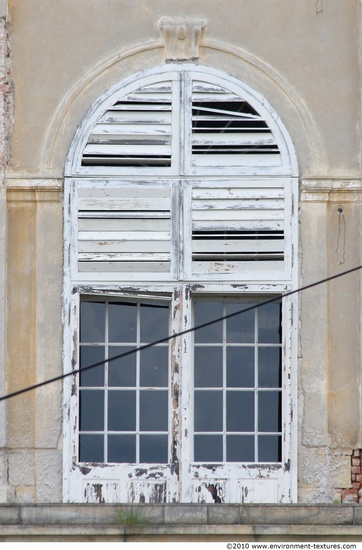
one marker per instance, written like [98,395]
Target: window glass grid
[133,436]
[264,444]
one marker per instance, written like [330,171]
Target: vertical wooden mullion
[288,217]
[106,383]
[256,378]
[187,229]
[185,123]
[138,378]
[176,124]
[176,232]
[224,382]
[187,395]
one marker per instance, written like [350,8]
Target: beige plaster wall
[309,48]
[303,57]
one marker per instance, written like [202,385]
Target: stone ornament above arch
[181,38]
[240,63]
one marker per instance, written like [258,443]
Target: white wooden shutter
[123,229]
[227,131]
[135,131]
[238,226]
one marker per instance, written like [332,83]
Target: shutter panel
[227,131]
[237,226]
[135,131]
[123,229]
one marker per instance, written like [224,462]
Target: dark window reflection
[241,328]
[154,322]
[153,448]
[91,410]
[269,411]
[91,448]
[122,448]
[122,372]
[122,322]
[208,448]
[121,410]
[90,355]
[92,322]
[204,312]
[240,448]
[270,367]
[269,323]
[240,411]
[270,448]
[154,411]
[154,367]
[240,367]
[208,411]
[208,367]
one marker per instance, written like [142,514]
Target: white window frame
[250,283]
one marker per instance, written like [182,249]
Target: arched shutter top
[227,131]
[135,131]
[185,121]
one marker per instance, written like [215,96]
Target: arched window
[181,197]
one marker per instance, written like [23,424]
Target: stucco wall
[303,57]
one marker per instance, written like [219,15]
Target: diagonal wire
[178,334]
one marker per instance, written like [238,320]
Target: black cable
[167,338]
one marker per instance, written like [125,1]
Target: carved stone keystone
[181,37]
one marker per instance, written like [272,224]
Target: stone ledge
[153,514]
[180,532]
[199,522]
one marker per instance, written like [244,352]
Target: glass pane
[154,411]
[122,322]
[91,448]
[122,448]
[208,411]
[240,367]
[270,367]
[121,411]
[154,367]
[91,415]
[208,448]
[153,449]
[154,322]
[240,448]
[240,411]
[204,312]
[122,372]
[241,328]
[92,321]
[270,448]
[269,323]
[208,367]
[269,411]
[88,356]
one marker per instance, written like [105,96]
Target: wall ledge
[180,522]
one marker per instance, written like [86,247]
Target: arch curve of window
[223,124]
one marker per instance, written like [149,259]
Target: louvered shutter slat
[124,229]
[124,224]
[239,233]
[244,267]
[237,204]
[138,204]
[255,139]
[96,268]
[227,131]
[135,131]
